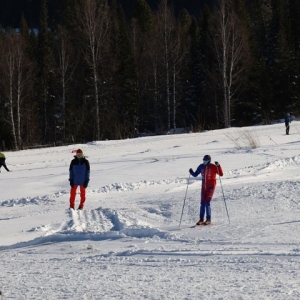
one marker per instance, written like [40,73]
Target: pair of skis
[202,225]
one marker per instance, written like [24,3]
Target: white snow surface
[127,243]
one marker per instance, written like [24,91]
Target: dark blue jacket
[287,119]
[79,170]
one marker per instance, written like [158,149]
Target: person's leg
[202,210]
[72,196]
[208,212]
[4,165]
[82,197]
[202,203]
[208,196]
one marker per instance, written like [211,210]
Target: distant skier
[2,162]
[287,122]
[79,176]
[208,171]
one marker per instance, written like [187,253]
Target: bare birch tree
[153,54]
[93,23]
[230,48]
[165,21]
[8,69]
[174,51]
[14,79]
[22,79]
[66,67]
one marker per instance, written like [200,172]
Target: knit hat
[207,158]
[79,151]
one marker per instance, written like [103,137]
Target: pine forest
[75,71]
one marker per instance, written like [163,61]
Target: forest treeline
[94,73]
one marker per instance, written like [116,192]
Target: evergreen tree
[142,36]
[189,31]
[127,81]
[125,78]
[205,96]
[294,15]
[285,67]
[45,73]
[30,121]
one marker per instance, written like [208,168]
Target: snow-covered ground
[127,244]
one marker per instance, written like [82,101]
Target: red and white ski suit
[208,173]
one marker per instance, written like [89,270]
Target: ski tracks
[93,221]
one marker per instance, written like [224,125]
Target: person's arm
[87,171]
[219,168]
[197,172]
[71,174]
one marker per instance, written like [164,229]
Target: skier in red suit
[208,172]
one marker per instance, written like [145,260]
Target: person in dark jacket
[2,162]
[208,172]
[287,122]
[79,176]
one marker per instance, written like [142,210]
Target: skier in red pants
[79,176]
[208,172]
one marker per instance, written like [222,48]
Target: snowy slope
[127,244]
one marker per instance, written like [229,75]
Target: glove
[86,183]
[191,170]
[71,182]
[217,164]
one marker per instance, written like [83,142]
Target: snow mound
[266,167]
[123,187]
[27,200]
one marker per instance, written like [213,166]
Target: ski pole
[184,199]
[223,195]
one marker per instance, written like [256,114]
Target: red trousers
[73,195]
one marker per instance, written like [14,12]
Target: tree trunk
[174,98]
[94,20]
[229,39]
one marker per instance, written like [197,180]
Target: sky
[127,242]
